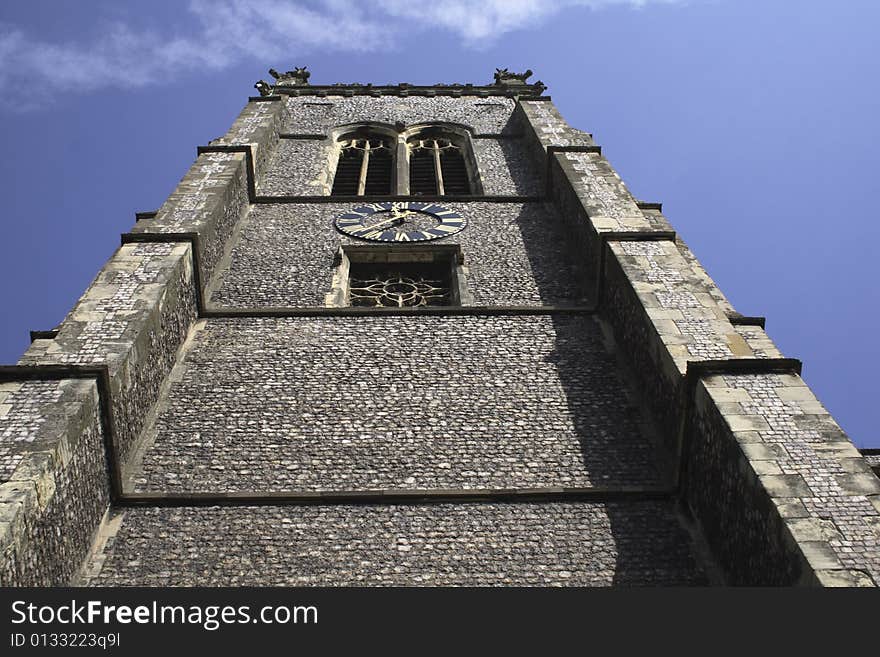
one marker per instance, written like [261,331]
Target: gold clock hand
[398,214]
[380,223]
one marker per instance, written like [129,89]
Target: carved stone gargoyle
[263,87]
[503,76]
[298,77]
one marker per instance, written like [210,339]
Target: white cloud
[229,31]
[478,20]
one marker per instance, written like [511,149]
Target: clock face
[400,222]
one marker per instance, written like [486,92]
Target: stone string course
[365,403]
[515,254]
[638,544]
[315,115]
[766,439]
[53,487]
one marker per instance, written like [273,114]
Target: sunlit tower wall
[402,334]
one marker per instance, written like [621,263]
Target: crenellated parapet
[296,83]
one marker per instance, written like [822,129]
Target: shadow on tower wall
[617,448]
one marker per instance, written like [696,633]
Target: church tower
[417,335]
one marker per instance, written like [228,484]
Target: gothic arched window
[437,166]
[365,166]
[424,160]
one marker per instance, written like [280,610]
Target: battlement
[296,83]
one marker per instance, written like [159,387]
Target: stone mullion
[438,172]
[365,165]
[401,168]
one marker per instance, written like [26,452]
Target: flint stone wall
[514,254]
[54,484]
[370,403]
[298,167]
[782,495]
[577,544]
[317,115]
[505,167]
[209,201]
[133,318]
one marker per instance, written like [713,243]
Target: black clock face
[400,222]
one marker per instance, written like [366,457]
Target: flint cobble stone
[574,544]
[505,168]
[774,465]
[297,167]
[515,254]
[315,115]
[54,486]
[300,167]
[132,318]
[397,402]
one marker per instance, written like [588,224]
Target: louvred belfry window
[364,167]
[436,167]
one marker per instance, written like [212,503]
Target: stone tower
[417,335]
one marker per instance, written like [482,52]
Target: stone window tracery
[436,167]
[399,286]
[364,167]
[428,160]
[399,276]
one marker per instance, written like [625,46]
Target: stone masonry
[396,402]
[594,412]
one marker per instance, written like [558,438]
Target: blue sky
[754,122]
